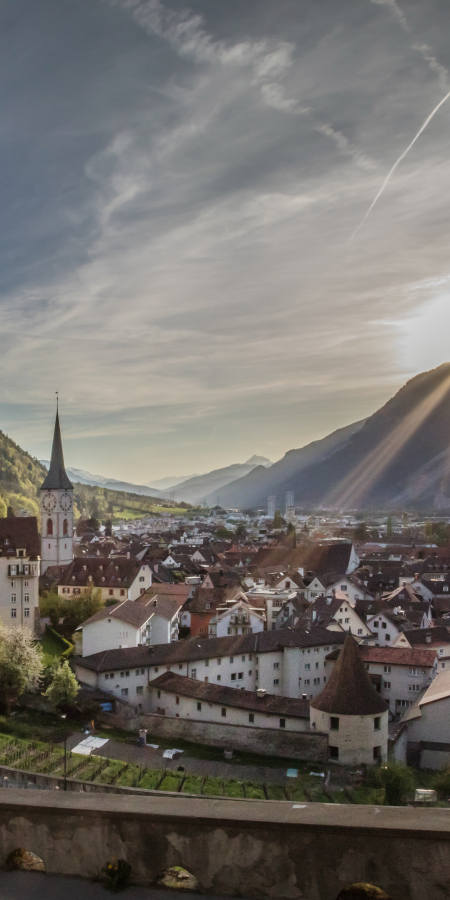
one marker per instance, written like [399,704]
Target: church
[56,509]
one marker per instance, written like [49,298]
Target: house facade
[19,572]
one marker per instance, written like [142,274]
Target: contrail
[396,164]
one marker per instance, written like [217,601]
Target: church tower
[56,509]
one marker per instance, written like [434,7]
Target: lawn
[51,647]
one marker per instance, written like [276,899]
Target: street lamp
[65,750]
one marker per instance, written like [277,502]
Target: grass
[129,513]
[213,786]
[275,792]
[192,784]
[171,782]
[254,791]
[52,648]
[233,789]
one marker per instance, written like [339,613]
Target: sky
[184,253]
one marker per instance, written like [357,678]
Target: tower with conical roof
[351,711]
[56,509]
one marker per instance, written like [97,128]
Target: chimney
[416,576]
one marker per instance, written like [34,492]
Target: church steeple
[57,478]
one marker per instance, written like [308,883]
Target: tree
[21,664]
[389,528]
[3,509]
[63,687]
[10,513]
[240,530]
[398,781]
[278,519]
[108,528]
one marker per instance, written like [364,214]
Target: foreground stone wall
[308,746]
[253,849]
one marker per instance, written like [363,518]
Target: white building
[351,712]
[19,572]
[177,696]
[130,624]
[56,509]
[427,723]
[399,674]
[119,578]
[236,618]
[287,663]
[274,599]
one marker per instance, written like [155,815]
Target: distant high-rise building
[290,508]
[271,503]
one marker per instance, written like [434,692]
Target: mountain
[164,484]
[194,490]
[398,457]
[81,476]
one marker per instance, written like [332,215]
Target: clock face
[65,501]
[49,502]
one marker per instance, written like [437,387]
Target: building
[336,612]
[351,711]
[236,615]
[398,673]
[427,725]
[177,696]
[288,663]
[56,509]
[19,572]
[131,624]
[118,578]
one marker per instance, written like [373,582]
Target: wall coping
[408,822]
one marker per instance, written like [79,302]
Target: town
[313,638]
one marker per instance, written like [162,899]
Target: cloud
[346,148]
[396,11]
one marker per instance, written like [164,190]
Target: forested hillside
[21,476]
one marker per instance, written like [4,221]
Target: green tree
[240,530]
[398,781]
[361,532]
[278,519]
[224,533]
[3,509]
[21,664]
[10,513]
[389,528]
[51,606]
[63,688]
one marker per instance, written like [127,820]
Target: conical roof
[349,691]
[57,478]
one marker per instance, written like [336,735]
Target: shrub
[441,783]
[117,875]
[398,781]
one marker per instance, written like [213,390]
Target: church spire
[57,478]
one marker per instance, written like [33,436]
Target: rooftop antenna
[57,399]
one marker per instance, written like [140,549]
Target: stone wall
[249,848]
[308,746]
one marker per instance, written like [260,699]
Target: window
[307,665]
[177,701]
[111,592]
[377,723]
[387,668]
[65,528]
[26,613]
[282,723]
[233,676]
[442,665]
[276,680]
[276,665]
[250,671]
[383,625]
[14,613]
[360,631]
[334,752]
[206,679]
[140,689]
[219,678]
[141,578]
[377,752]
[317,665]
[307,681]
[317,681]
[387,685]
[413,672]
[49,528]
[122,592]
[219,662]
[243,659]
[334,723]
[193,673]
[415,688]
[199,707]
[441,651]
[124,692]
[387,637]
[13,598]
[240,676]
[223,711]
[159,694]
[231,659]
[206,662]
[347,621]
[156,669]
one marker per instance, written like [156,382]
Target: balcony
[18,570]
